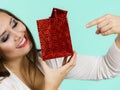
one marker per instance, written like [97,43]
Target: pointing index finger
[95,22]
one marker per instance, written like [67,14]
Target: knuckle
[102,29]
[110,20]
[104,34]
[108,15]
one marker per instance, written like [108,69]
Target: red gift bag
[54,35]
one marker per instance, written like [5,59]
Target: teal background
[84,40]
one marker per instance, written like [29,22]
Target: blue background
[84,40]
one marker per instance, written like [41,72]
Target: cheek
[21,27]
[8,48]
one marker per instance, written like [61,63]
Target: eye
[5,38]
[14,23]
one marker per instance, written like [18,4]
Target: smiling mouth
[23,42]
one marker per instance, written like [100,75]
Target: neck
[17,64]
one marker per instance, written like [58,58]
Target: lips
[23,42]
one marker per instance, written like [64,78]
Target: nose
[17,35]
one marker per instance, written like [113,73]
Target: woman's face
[14,41]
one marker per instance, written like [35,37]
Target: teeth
[23,41]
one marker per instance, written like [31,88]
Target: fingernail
[87,26]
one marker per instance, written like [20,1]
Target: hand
[54,76]
[107,24]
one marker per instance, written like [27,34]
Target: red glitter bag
[54,35]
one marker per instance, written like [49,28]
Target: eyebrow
[5,31]
[11,20]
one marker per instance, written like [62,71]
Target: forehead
[4,21]
[4,16]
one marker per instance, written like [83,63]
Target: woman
[19,59]
[15,62]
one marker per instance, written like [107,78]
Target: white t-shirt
[87,67]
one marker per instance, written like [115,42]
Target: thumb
[44,65]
